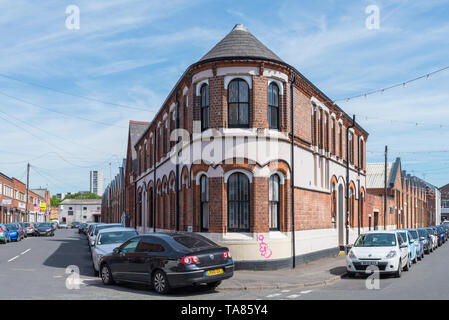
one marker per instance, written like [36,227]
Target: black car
[45,229]
[168,260]
[75,224]
[81,228]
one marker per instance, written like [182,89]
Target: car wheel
[398,273]
[416,259]
[213,285]
[407,266]
[160,282]
[106,275]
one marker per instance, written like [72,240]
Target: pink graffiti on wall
[263,248]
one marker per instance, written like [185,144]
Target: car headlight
[391,254]
[352,255]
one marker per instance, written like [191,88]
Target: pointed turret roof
[240,43]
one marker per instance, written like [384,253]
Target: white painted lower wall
[248,247]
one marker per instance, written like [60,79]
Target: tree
[79,195]
[54,201]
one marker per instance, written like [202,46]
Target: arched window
[333,135]
[274,203]
[204,107]
[351,206]
[204,203]
[361,157]
[238,104]
[273,106]
[139,209]
[238,202]
[333,205]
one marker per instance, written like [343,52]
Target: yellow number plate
[214,272]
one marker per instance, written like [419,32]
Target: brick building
[13,204]
[113,200]
[228,173]
[410,201]
[444,202]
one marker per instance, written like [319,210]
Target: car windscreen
[414,234]
[11,226]
[44,225]
[403,235]
[376,240]
[115,237]
[422,233]
[98,228]
[194,242]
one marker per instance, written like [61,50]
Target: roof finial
[239,27]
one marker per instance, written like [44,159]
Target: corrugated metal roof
[375,173]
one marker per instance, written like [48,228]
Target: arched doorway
[340,219]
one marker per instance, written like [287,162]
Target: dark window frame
[204,179]
[239,202]
[273,106]
[205,106]
[238,103]
[277,202]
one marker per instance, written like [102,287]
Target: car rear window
[194,242]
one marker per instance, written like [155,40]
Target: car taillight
[190,260]
[227,255]
[1,229]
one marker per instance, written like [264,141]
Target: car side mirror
[404,245]
[116,250]
[422,238]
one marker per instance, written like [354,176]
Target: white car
[434,238]
[384,249]
[106,241]
[63,225]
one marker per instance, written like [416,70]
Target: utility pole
[385,189]
[28,188]
[347,177]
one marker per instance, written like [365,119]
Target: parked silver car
[106,240]
[99,227]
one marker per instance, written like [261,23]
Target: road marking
[25,251]
[306,291]
[273,295]
[13,258]
[285,291]
[293,296]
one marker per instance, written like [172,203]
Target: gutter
[292,180]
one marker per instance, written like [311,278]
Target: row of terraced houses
[249,153]
[13,202]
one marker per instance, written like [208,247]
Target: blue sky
[132,53]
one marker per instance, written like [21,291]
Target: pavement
[320,272]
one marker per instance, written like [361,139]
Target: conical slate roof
[240,43]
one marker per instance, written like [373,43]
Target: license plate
[369,263]
[214,272]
